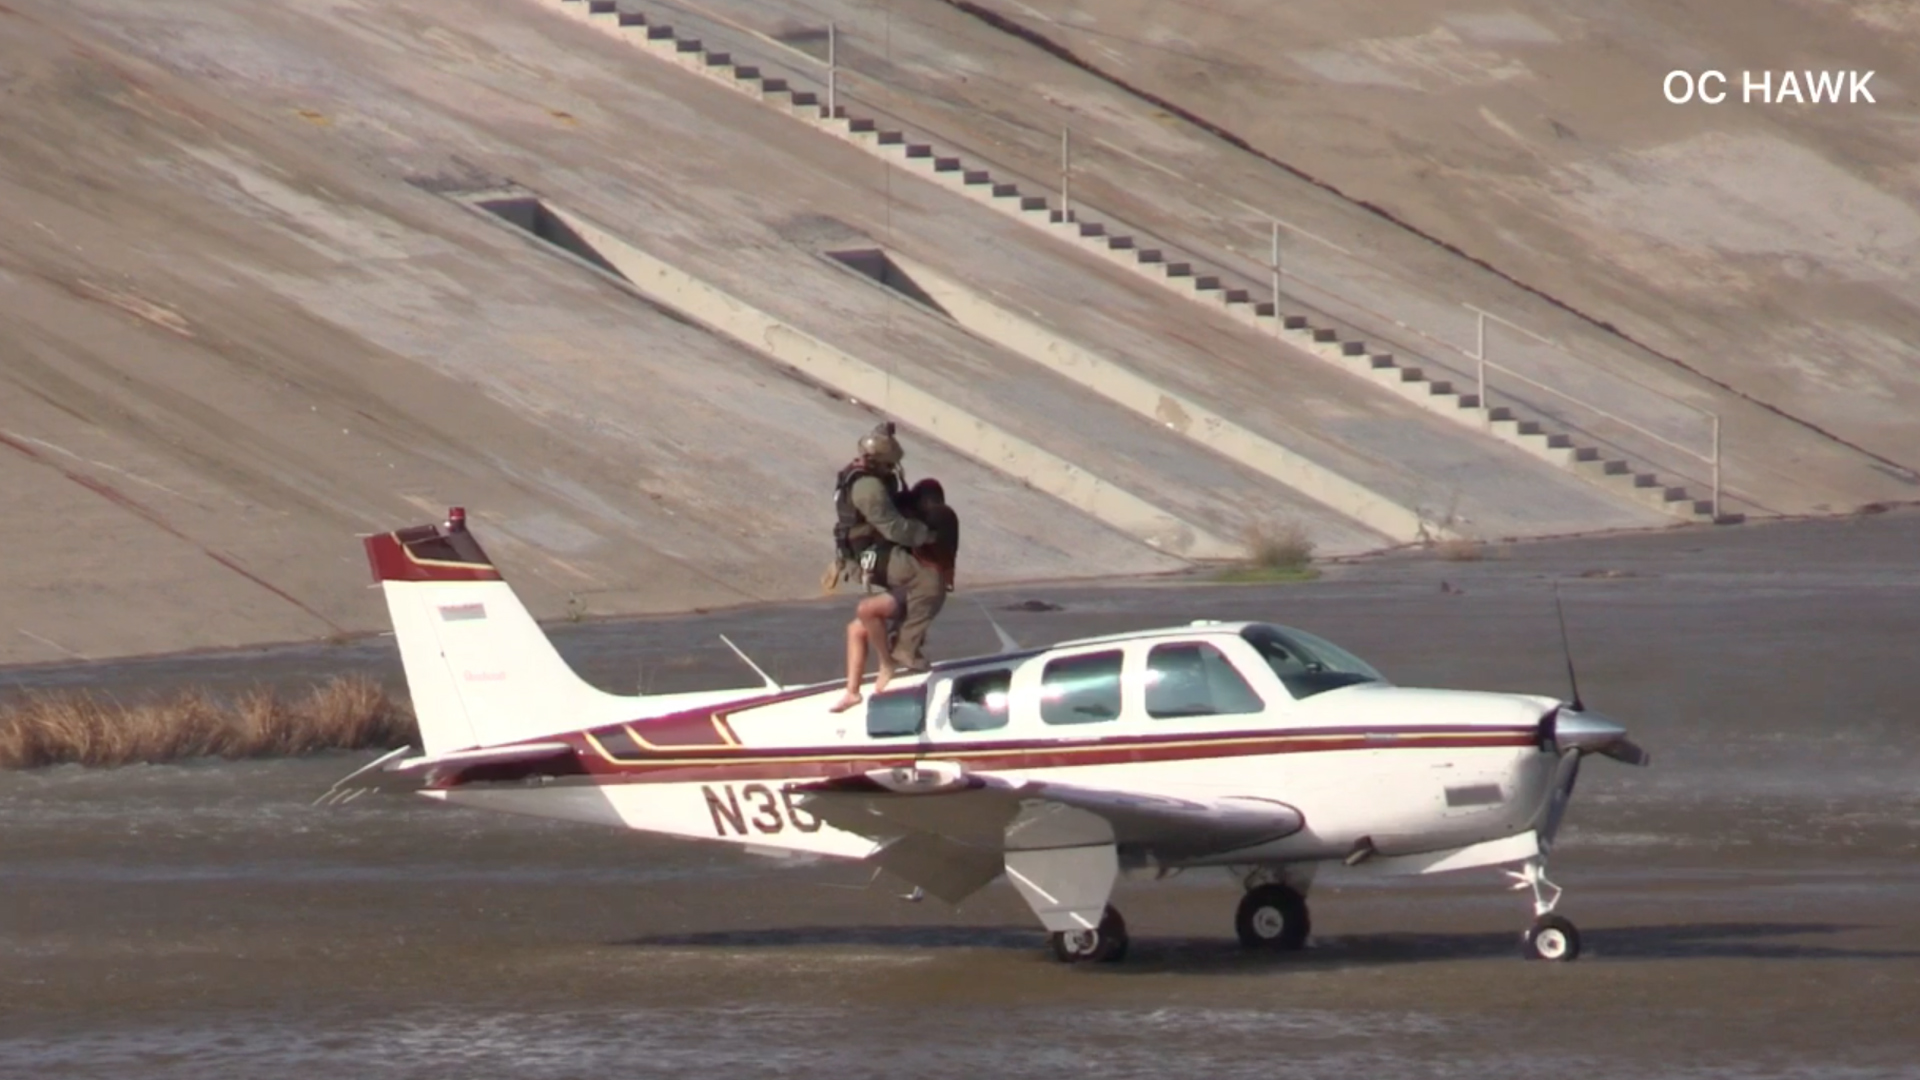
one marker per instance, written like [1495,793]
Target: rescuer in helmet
[874,541]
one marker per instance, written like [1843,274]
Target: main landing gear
[1105,945]
[1272,917]
[1551,937]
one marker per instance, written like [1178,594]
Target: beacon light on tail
[1257,749]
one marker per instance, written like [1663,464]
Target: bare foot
[881,680]
[847,701]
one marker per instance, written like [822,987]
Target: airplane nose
[1592,733]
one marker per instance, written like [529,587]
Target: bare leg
[873,614]
[856,665]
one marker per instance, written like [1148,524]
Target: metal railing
[830,72]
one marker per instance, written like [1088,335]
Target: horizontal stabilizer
[391,772]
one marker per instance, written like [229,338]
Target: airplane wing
[948,831]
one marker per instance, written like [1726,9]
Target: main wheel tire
[1552,938]
[1274,918]
[1105,945]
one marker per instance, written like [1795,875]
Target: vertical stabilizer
[481,672]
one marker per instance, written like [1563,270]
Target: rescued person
[927,594]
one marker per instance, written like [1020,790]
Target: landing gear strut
[1272,917]
[1106,944]
[1551,937]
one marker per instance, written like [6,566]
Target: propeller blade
[1628,751]
[1564,777]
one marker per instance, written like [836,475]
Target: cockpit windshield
[1307,664]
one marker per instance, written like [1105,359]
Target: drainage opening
[529,214]
[879,267]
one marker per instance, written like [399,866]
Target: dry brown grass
[1279,547]
[344,713]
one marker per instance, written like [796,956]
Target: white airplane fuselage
[1411,771]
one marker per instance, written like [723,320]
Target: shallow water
[1747,903]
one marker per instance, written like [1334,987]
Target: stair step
[774,86]
[860,124]
[1235,296]
[1439,387]
[719,59]
[1323,334]
[1528,427]
[687,45]
[1294,322]
[1380,360]
[1150,255]
[1120,243]
[1033,202]
[745,72]
[1092,228]
[919,150]
[1179,269]
[1586,453]
[975,176]
[600,7]
[1206,282]
[1353,348]
[946,164]
[1263,309]
[1499,412]
[1005,191]
[1560,442]
[1645,480]
[891,138]
[1469,401]
[1412,374]
[629,18]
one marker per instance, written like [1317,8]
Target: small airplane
[1257,748]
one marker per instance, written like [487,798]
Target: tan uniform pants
[924,593]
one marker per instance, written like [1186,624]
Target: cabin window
[1195,679]
[897,713]
[1081,689]
[978,701]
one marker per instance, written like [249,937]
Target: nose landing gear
[1551,937]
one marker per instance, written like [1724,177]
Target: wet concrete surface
[1747,903]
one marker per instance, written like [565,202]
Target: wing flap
[993,813]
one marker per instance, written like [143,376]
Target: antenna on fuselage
[1007,644]
[1573,681]
[764,677]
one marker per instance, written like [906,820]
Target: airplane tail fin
[480,671]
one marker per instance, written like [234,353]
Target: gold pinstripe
[1070,748]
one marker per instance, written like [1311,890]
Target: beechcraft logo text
[1770,87]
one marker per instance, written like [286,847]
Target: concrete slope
[1433,469]
[1770,245]
[1170,179]
[195,418]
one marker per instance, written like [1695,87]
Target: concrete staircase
[1310,331]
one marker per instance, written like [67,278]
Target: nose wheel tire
[1551,938]
[1272,918]
[1105,945]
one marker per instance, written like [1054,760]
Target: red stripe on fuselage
[761,763]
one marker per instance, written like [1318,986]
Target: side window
[1194,679]
[978,701]
[897,713]
[1081,689]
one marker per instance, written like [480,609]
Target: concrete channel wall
[968,433]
